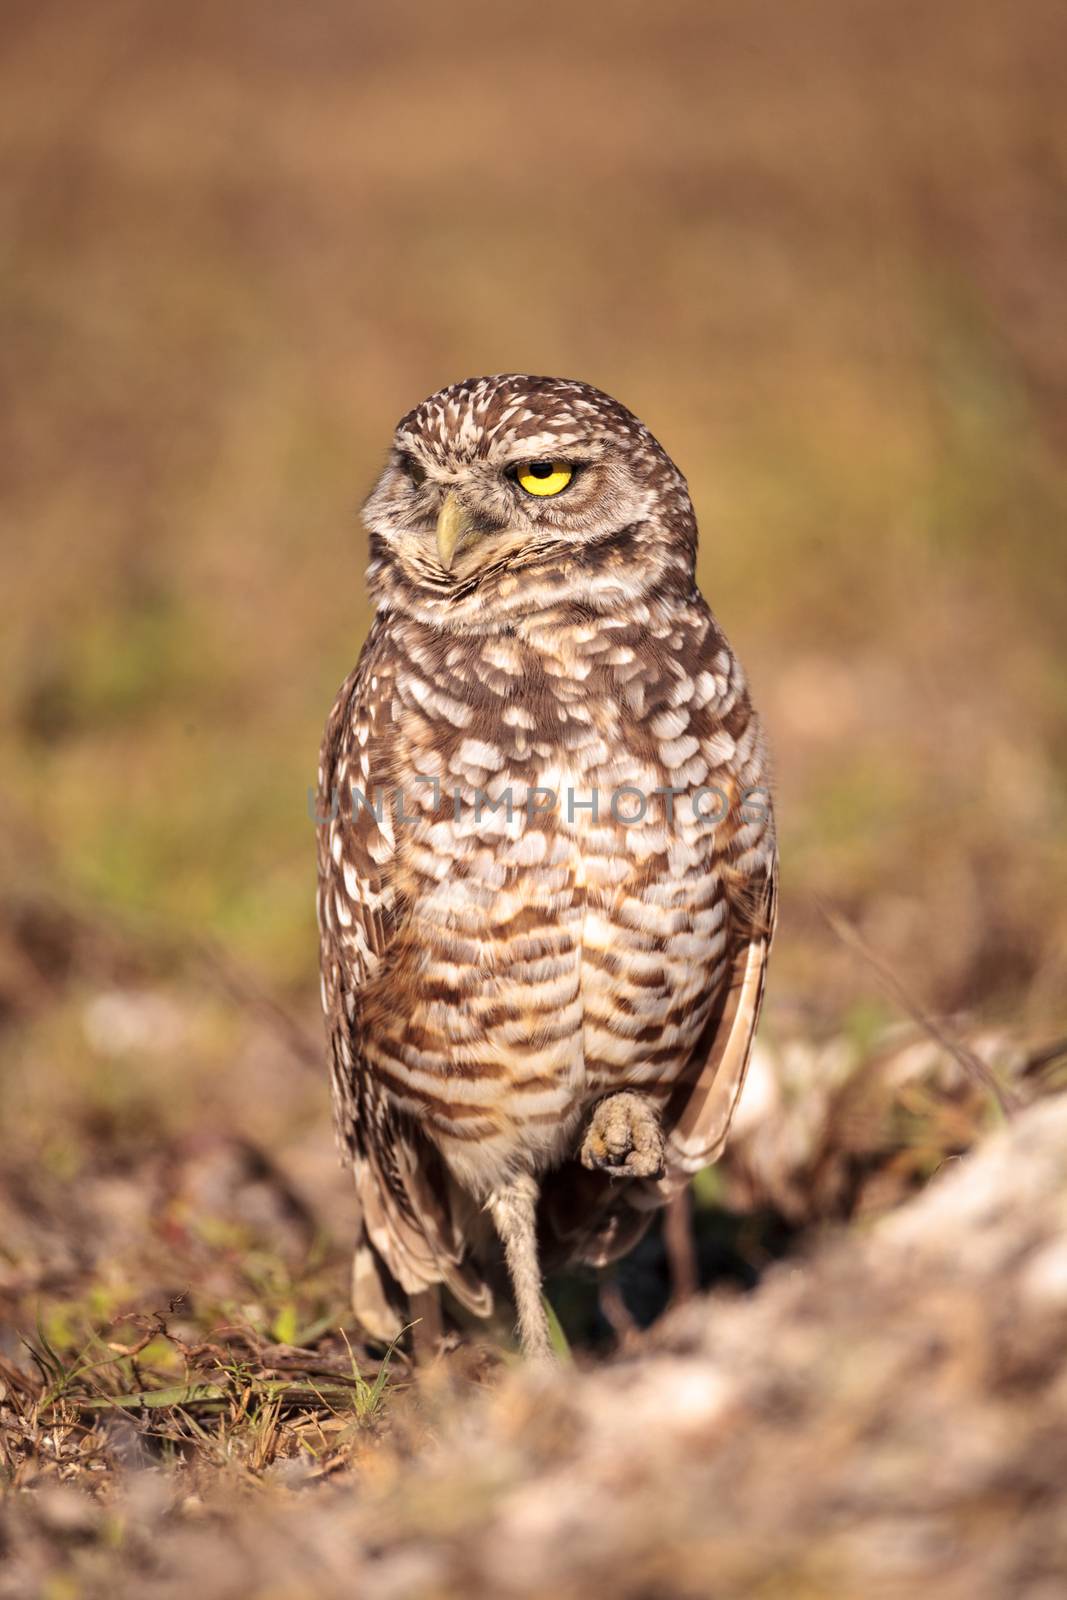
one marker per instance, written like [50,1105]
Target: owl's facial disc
[445,519]
[508,493]
[459,525]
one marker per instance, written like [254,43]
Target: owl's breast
[561,941]
[564,923]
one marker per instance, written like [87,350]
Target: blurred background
[821,250]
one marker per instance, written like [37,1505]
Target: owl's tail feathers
[376,1299]
[415,1228]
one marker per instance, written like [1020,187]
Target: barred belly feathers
[547,865]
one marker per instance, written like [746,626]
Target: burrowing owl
[546,853]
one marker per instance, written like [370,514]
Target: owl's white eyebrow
[574,458]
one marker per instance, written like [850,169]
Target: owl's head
[514,494]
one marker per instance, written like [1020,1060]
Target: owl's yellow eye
[544,477]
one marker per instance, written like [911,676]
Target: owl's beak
[454,523]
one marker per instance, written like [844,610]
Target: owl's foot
[624,1138]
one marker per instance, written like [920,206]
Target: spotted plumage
[546,852]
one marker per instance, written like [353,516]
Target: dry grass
[891,1415]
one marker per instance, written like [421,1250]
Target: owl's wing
[703,1122]
[413,1217]
[746,864]
[593,1219]
[588,1217]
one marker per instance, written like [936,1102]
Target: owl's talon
[624,1139]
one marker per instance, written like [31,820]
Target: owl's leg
[624,1138]
[513,1209]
